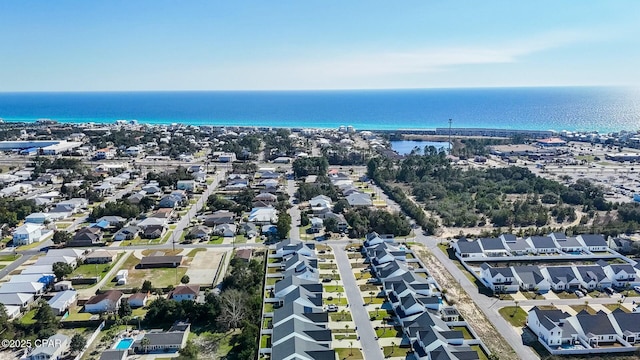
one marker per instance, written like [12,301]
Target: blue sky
[330,44]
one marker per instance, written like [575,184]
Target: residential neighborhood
[129,246]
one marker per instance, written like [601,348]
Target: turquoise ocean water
[558,108]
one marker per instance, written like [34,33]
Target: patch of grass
[346,337]
[567,295]
[481,354]
[579,308]
[388,332]
[91,270]
[342,301]
[515,316]
[240,239]
[62,225]
[193,252]
[216,240]
[529,294]
[269,307]
[349,354]
[395,351]
[381,314]
[340,316]
[328,267]
[616,306]
[140,241]
[27,318]
[333,288]
[272,281]
[29,247]
[78,316]
[465,332]
[11,257]
[375,300]
[265,341]
[368,287]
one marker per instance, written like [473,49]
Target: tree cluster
[14,210]
[169,178]
[115,208]
[310,166]
[363,221]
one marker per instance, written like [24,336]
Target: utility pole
[450,121]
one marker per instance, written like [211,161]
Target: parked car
[637,289]
[579,293]
[326,280]
[609,291]
[332,308]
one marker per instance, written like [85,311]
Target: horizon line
[319,90]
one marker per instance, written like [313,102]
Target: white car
[332,308]
[637,289]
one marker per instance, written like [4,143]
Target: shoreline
[431,132]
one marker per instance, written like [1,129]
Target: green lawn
[272,281]
[342,301]
[481,354]
[265,341]
[465,332]
[381,314]
[375,300]
[216,240]
[387,332]
[11,257]
[91,270]
[28,319]
[333,288]
[349,354]
[566,295]
[395,351]
[517,317]
[579,308]
[616,306]
[328,267]
[78,316]
[340,316]
[240,239]
[368,287]
[268,307]
[29,247]
[62,225]
[140,241]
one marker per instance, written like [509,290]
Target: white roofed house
[359,199]
[108,301]
[62,301]
[263,215]
[499,280]
[21,300]
[27,234]
[320,200]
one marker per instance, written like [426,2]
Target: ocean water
[557,108]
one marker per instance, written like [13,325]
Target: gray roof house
[531,278]
[162,341]
[359,199]
[593,277]
[562,278]
[54,348]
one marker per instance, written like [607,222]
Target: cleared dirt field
[204,266]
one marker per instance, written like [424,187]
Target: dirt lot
[467,308]
[204,266]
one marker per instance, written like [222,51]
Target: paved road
[294,212]
[485,303]
[26,255]
[370,346]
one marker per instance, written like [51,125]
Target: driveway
[370,347]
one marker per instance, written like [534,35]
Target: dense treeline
[120,208]
[477,196]
[13,210]
[310,166]
[363,221]
[170,178]
[322,186]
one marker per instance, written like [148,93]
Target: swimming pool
[124,344]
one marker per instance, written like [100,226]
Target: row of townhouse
[417,304]
[510,245]
[299,324]
[23,289]
[561,333]
[602,275]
